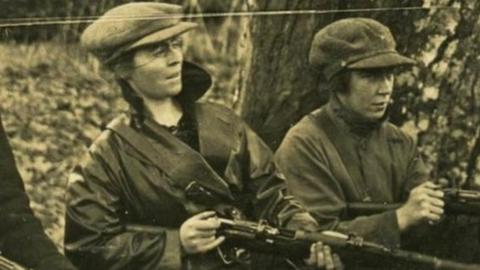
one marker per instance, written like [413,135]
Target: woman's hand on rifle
[425,204]
[197,234]
[321,257]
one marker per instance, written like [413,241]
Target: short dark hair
[340,82]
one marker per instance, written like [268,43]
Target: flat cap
[132,25]
[354,43]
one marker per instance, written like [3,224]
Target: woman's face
[369,93]
[157,68]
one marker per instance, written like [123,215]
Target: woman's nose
[385,84]
[174,55]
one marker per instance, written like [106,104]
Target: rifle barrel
[365,209]
[295,244]
[464,195]
[451,207]
[344,242]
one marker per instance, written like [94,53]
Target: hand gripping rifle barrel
[262,238]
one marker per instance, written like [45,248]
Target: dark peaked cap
[354,43]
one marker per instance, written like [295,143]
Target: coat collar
[349,121]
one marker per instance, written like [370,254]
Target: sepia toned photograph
[239,134]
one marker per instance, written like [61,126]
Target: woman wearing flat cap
[144,196]
[346,152]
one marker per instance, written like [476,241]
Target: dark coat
[21,235]
[119,185]
[327,164]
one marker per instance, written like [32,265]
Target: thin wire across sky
[39,21]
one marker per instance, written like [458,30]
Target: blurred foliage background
[55,99]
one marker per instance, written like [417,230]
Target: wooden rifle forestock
[6,264]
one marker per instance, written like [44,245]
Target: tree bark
[280,88]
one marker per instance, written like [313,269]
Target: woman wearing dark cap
[21,235]
[142,197]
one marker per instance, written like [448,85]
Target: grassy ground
[53,104]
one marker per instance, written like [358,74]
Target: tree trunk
[280,88]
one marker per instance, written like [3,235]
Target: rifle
[263,238]
[457,202]
[6,264]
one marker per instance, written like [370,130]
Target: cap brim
[390,59]
[153,38]
[163,34]
[195,81]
